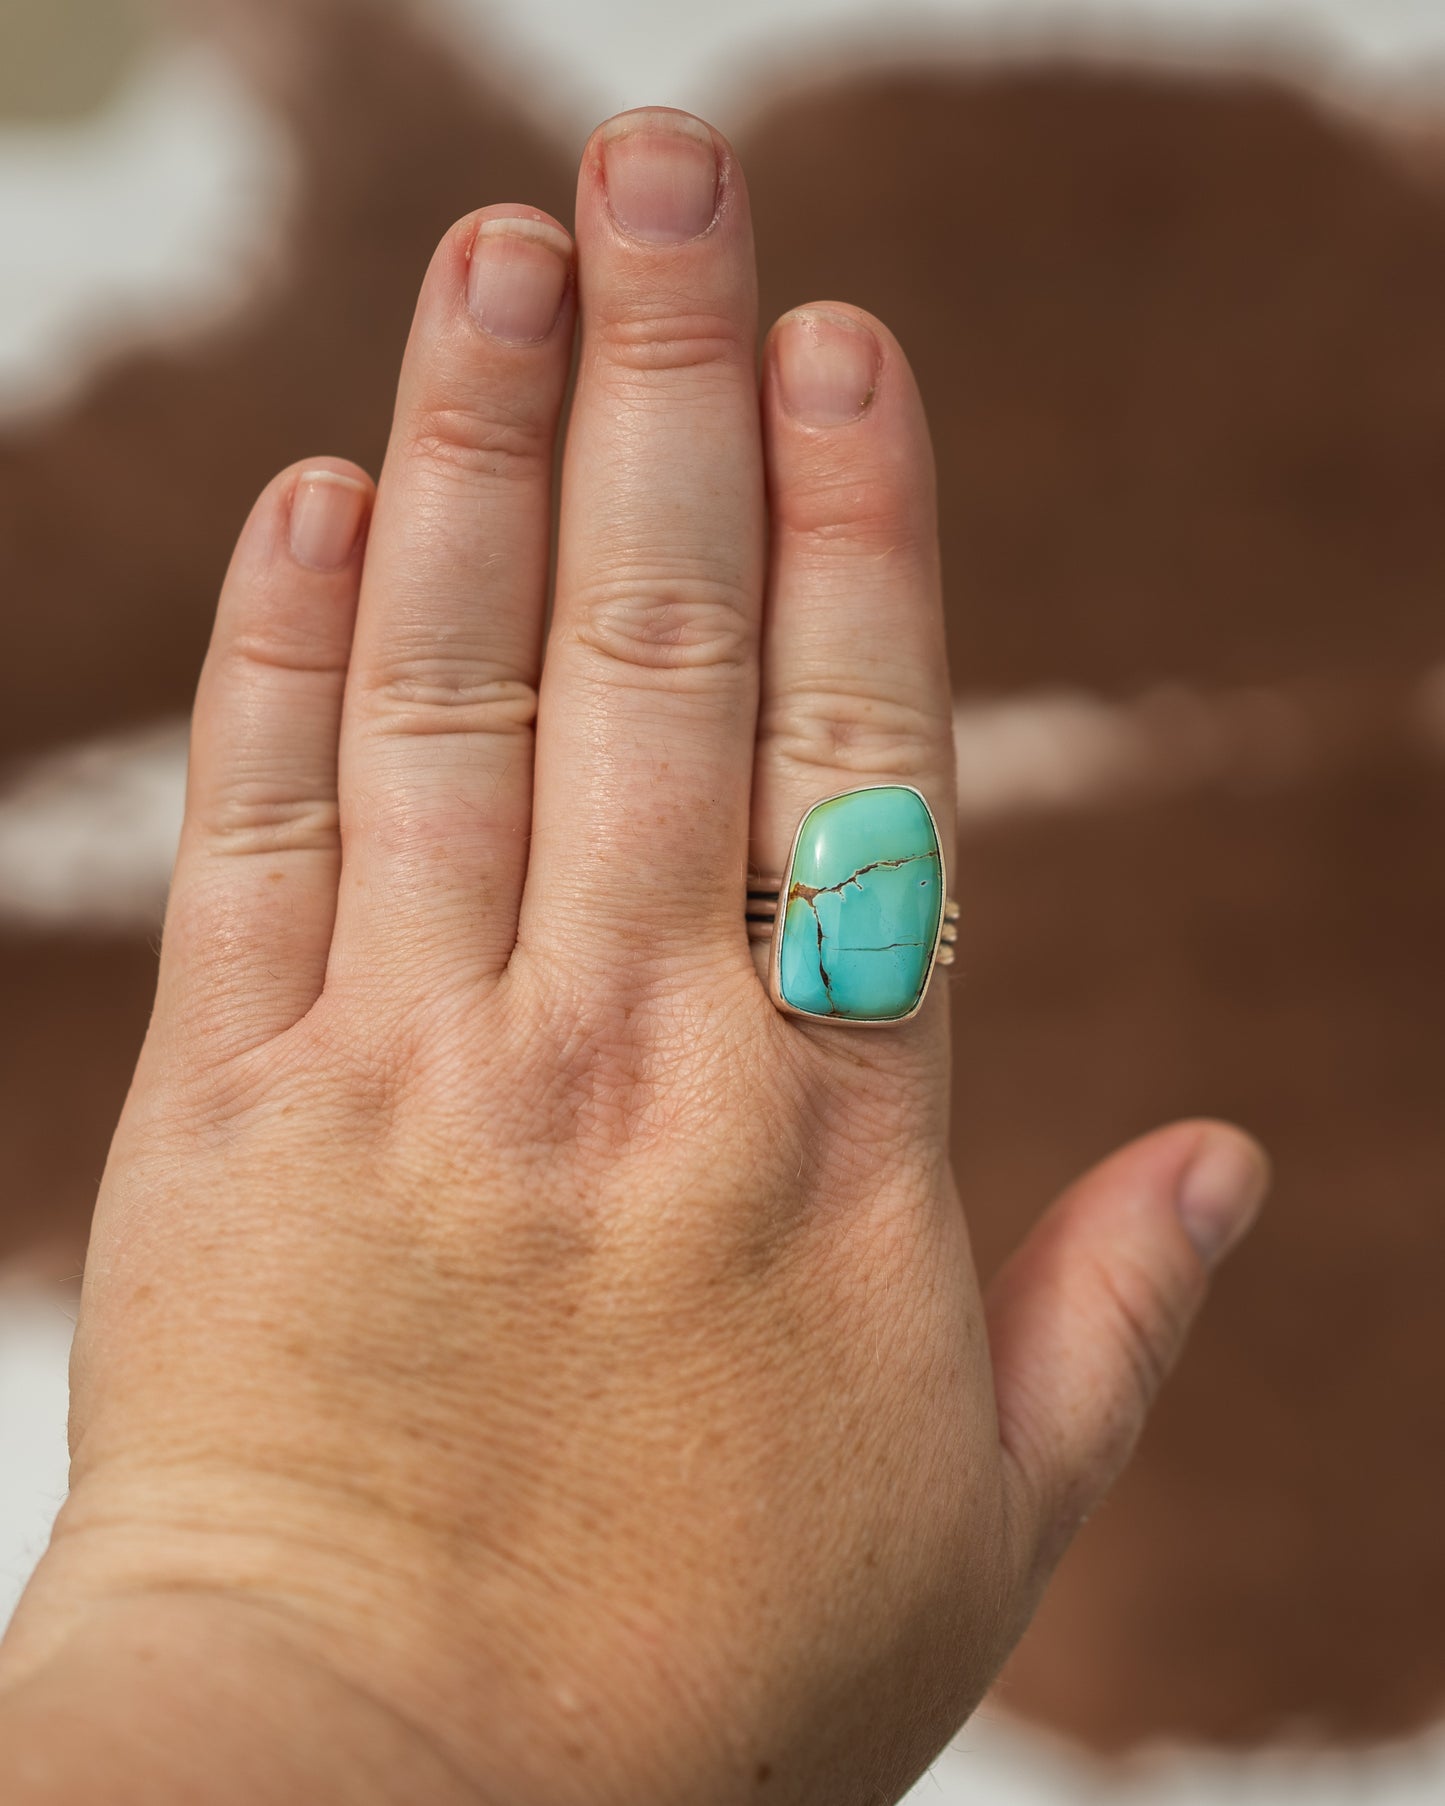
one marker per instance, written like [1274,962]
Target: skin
[516,1362]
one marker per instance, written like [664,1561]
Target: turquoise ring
[861,916]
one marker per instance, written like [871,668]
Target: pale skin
[517,1363]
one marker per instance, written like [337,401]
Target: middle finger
[649,691]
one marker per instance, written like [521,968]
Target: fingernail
[828,367]
[327,511]
[518,280]
[660,172]
[1221,1192]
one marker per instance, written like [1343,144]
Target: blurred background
[1173,277]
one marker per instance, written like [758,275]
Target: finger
[1089,1315]
[855,687]
[254,893]
[436,755]
[649,696]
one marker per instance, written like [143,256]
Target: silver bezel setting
[947,913]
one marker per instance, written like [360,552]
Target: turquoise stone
[863,902]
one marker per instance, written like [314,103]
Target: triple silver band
[762,915]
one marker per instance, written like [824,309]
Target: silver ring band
[762,913]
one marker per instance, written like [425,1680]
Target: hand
[517,1363]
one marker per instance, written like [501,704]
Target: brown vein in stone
[805,893]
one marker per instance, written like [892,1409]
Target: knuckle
[476,441]
[276,644]
[693,624]
[434,693]
[832,513]
[1147,1328]
[650,341]
[859,730]
[249,818]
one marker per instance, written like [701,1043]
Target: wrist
[274,1646]
[205,1700]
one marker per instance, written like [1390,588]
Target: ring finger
[855,687]
[436,743]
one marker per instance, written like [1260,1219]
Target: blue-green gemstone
[862,906]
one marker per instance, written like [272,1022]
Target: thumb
[1090,1313]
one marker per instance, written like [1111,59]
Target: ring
[867,915]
